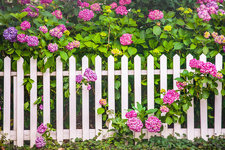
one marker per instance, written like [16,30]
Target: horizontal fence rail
[18,134]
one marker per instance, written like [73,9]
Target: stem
[108,38]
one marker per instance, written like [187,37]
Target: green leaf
[132,51]
[151,111]
[159,101]
[26,106]
[193,46]
[153,43]
[63,55]
[180,79]
[178,45]
[1,64]
[157,30]
[102,49]
[213,53]
[100,111]
[223,92]
[191,91]
[170,14]
[117,84]
[180,22]
[205,50]
[205,94]
[169,120]
[185,107]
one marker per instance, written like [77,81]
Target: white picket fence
[19,135]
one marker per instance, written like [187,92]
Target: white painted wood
[33,98]
[20,102]
[14,105]
[150,86]
[203,110]
[137,80]
[176,74]
[98,94]
[46,96]
[124,86]
[59,99]
[7,96]
[72,103]
[85,103]
[190,112]
[218,99]
[163,85]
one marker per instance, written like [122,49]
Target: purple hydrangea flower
[30,11]
[90,75]
[40,142]
[10,34]
[32,40]
[42,128]
[52,47]
[79,78]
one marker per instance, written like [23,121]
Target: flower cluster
[207,35]
[82,5]
[205,68]
[116,51]
[113,5]
[89,76]
[95,7]
[42,128]
[58,31]
[23,2]
[124,2]
[32,40]
[43,29]
[164,109]
[52,47]
[30,11]
[168,28]
[220,39]
[170,97]
[155,15]
[126,39]
[40,141]
[79,78]
[153,124]
[219,75]
[45,2]
[102,102]
[25,25]
[10,34]
[72,45]
[181,85]
[135,124]
[207,1]
[21,38]
[224,48]
[131,114]
[57,14]
[86,15]
[122,10]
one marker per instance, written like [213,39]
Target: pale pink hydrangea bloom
[102,102]
[131,114]
[76,44]
[153,124]
[95,7]
[113,5]
[41,107]
[170,97]
[52,47]
[57,14]
[61,27]
[155,15]
[164,109]
[21,38]
[42,128]
[122,10]
[70,46]
[124,2]
[90,75]
[219,75]
[79,78]
[134,124]
[32,40]
[25,25]
[43,29]
[126,39]
[40,142]
[56,32]
[181,85]
[86,15]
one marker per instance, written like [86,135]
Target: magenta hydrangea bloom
[153,124]
[32,40]
[126,39]
[95,7]
[43,29]
[88,87]
[181,85]
[82,5]
[86,15]
[79,78]
[70,46]
[164,109]
[122,10]
[45,2]
[25,25]
[61,27]
[113,5]
[30,11]
[41,107]
[10,34]
[40,142]
[57,14]
[124,2]
[56,32]
[42,128]
[90,75]
[134,124]
[170,97]
[52,47]
[131,114]
[21,38]
[155,15]
[23,2]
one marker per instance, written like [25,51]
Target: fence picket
[72,103]
[46,96]
[7,96]
[59,99]
[33,98]
[137,80]
[190,111]
[20,103]
[163,85]
[98,94]
[85,103]
[176,74]
[218,99]
[203,110]
[15,105]
[124,86]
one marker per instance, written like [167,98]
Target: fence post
[15,106]
[124,86]
[46,96]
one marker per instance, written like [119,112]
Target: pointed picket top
[7,58]
[72,59]
[189,56]
[84,58]
[203,57]
[163,57]
[219,62]
[124,57]
[58,58]
[98,58]
[137,58]
[110,58]
[150,58]
[176,57]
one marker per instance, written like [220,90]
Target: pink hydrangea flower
[41,107]
[124,2]
[214,34]
[25,25]
[30,11]
[88,87]
[102,102]
[40,142]
[23,2]
[219,75]
[57,14]
[122,10]
[164,109]
[170,97]
[181,85]
[45,2]
[56,32]
[90,75]
[32,40]
[84,4]
[70,46]
[21,38]
[113,5]
[95,7]
[219,39]
[135,124]
[153,124]
[126,39]
[61,27]
[76,44]
[43,29]
[131,114]
[79,78]
[86,15]
[42,128]
[52,47]
[155,15]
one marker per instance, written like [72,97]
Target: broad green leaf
[178,45]
[63,55]
[157,30]
[159,101]
[169,120]
[102,49]
[100,111]
[205,94]
[132,51]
